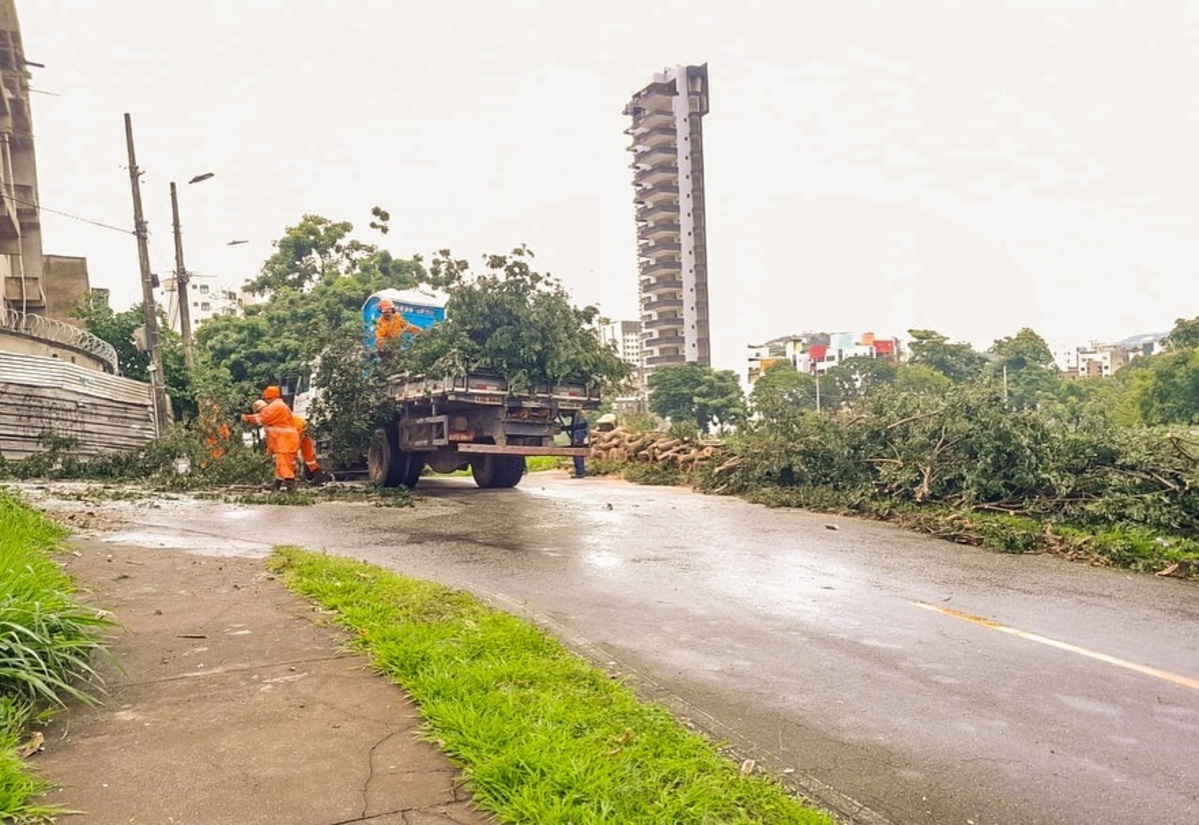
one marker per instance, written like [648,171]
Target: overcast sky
[973,167]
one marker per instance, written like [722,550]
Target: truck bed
[480,388]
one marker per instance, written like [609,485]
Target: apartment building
[1100,360]
[625,338]
[207,296]
[32,283]
[666,139]
[817,352]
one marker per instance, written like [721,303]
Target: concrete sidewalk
[233,706]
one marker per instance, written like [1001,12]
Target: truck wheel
[385,463]
[497,470]
[414,465]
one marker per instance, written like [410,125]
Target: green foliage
[1025,365]
[46,639]
[1024,350]
[351,402]
[967,451]
[922,379]
[541,735]
[652,474]
[157,462]
[693,392]
[315,285]
[515,322]
[856,379]
[1168,390]
[782,391]
[1185,335]
[958,362]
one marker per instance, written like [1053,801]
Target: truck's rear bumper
[523,449]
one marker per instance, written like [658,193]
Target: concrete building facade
[666,135]
[32,282]
[209,298]
[625,338]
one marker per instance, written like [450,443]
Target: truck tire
[385,464]
[414,465]
[497,470]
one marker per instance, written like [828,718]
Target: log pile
[658,448]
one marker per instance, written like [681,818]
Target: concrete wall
[28,345]
[65,283]
[40,395]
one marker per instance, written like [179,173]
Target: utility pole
[161,410]
[181,279]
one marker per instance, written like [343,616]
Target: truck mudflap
[523,449]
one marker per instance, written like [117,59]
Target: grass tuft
[46,645]
[542,735]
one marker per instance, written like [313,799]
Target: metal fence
[41,396]
[56,332]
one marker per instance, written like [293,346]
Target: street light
[235,243]
[181,277]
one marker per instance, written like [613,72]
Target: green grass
[46,645]
[542,736]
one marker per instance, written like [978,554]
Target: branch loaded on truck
[473,420]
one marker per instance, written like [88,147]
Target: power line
[101,224]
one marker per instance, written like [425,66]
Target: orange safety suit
[392,326]
[282,438]
[307,445]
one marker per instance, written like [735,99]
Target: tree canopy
[958,362]
[693,392]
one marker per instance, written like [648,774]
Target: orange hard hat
[271,393]
[386,304]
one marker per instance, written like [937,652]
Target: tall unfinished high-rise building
[668,178]
[33,283]
[20,228]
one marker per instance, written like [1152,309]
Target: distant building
[625,338]
[668,176]
[207,296]
[1099,360]
[818,352]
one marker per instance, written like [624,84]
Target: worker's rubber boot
[289,485]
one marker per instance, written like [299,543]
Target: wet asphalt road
[856,660]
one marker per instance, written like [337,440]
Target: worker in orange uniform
[391,324]
[282,438]
[307,446]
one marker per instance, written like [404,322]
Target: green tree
[314,285]
[515,322]
[693,392]
[859,377]
[1170,393]
[782,391]
[1021,351]
[959,362]
[1185,335]
[1025,363]
[921,379]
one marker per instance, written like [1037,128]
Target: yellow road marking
[1164,675]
